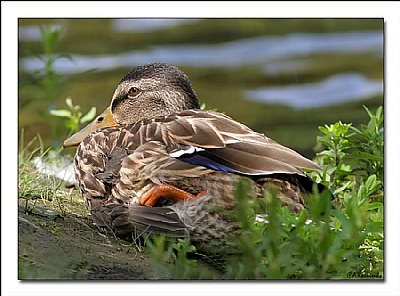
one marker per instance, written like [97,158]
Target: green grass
[35,187]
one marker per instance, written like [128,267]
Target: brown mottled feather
[128,219]
[117,165]
[248,151]
[127,162]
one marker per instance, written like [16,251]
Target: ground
[55,246]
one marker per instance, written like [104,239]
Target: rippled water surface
[274,54]
[265,73]
[252,51]
[333,90]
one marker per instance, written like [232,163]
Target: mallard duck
[154,162]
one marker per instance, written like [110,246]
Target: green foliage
[339,240]
[353,158]
[73,115]
[47,83]
[170,259]
[50,81]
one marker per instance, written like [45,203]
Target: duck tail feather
[126,220]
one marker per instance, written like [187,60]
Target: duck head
[145,92]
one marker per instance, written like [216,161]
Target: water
[33,33]
[333,90]
[251,51]
[274,54]
[147,25]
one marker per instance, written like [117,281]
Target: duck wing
[218,142]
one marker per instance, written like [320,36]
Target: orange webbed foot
[166,191]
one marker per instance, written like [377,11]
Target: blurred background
[281,77]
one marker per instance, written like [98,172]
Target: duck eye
[133,91]
[100,118]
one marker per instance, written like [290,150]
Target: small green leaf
[374,205]
[374,227]
[344,168]
[371,184]
[356,130]
[372,125]
[89,116]
[331,170]
[364,155]
[314,176]
[324,129]
[342,188]
[329,153]
[68,101]
[362,195]
[61,113]
[378,113]
[369,113]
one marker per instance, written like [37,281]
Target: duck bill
[104,120]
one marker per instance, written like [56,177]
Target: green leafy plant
[46,84]
[171,260]
[339,240]
[73,115]
[50,81]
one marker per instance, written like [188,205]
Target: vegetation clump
[331,239]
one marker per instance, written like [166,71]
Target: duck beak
[104,120]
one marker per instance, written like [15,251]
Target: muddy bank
[53,246]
